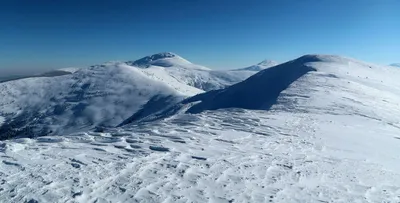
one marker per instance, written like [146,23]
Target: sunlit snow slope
[316,129]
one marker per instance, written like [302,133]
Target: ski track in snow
[224,156]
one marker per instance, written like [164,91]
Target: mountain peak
[268,63]
[395,65]
[160,59]
[261,66]
[162,55]
[165,59]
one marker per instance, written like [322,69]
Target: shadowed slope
[258,92]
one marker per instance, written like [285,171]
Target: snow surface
[330,135]
[219,156]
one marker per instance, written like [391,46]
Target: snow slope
[172,69]
[331,134]
[102,95]
[261,66]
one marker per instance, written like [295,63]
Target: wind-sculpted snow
[217,156]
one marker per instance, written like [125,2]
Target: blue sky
[44,34]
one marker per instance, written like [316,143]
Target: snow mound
[260,66]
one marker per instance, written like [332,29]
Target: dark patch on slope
[260,91]
[154,105]
[23,125]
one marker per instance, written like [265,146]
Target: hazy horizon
[45,35]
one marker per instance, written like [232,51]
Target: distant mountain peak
[162,55]
[260,66]
[268,63]
[164,59]
[159,59]
[395,65]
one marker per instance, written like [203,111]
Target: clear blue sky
[46,34]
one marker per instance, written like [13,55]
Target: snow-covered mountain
[103,95]
[67,100]
[395,64]
[171,68]
[320,128]
[260,66]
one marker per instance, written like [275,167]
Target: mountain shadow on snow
[257,92]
